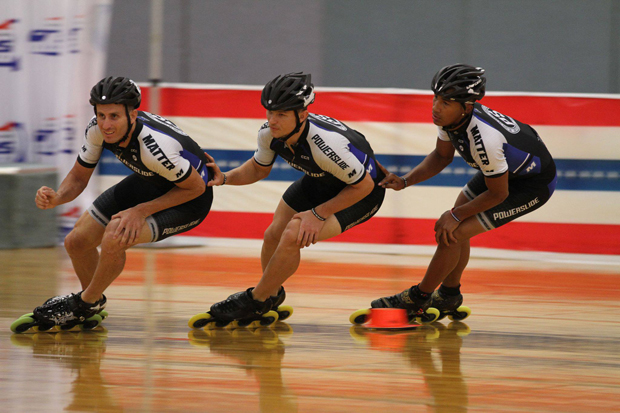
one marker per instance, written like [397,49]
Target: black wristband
[405,181]
[320,218]
[225,178]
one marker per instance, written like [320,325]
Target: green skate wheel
[23,324]
[27,315]
[430,316]
[104,314]
[460,313]
[91,322]
[360,316]
[284,312]
[200,320]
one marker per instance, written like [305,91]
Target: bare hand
[391,180]
[46,198]
[444,229]
[218,177]
[129,227]
[309,228]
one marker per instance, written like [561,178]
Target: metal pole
[155,63]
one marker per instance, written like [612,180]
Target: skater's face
[283,122]
[448,112]
[112,121]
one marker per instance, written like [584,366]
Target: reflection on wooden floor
[543,337]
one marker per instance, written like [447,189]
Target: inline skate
[449,305]
[62,313]
[238,310]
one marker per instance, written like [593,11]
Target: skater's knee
[272,235]
[78,241]
[290,234]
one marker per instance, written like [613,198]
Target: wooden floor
[544,336]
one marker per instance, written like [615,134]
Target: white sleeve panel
[264,155]
[442,134]
[162,155]
[93,143]
[491,158]
[331,153]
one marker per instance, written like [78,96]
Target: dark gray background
[525,45]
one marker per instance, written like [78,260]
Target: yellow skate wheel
[460,313]
[268,319]
[200,320]
[104,314]
[360,316]
[284,312]
[430,316]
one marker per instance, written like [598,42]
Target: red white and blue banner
[51,53]
[581,131]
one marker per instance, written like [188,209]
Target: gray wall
[525,45]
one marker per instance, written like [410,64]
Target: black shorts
[307,193]
[134,190]
[524,196]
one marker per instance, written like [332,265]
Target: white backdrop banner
[51,53]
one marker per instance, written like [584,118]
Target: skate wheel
[242,323]
[430,316]
[67,327]
[269,318]
[103,314]
[216,324]
[441,316]
[284,312]
[27,315]
[91,322]
[23,324]
[43,327]
[461,313]
[360,316]
[200,320]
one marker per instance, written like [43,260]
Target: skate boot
[238,310]
[62,313]
[101,303]
[449,305]
[284,311]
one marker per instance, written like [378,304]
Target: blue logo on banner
[44,142]
[8,57]
[47,40]
[11,134]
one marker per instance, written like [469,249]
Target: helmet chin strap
[464,118]
[297,128]
[116,145]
